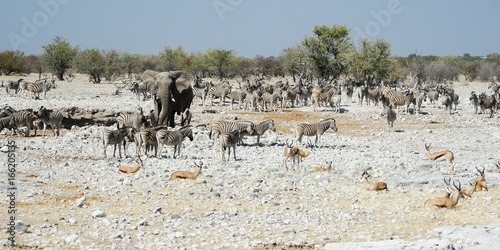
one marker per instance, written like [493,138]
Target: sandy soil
[252,202]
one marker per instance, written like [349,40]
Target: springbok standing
[448,155]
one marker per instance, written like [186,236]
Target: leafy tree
[294,61]
[269,66]
[325,48]
[111,63]
[58,56]
[171,59]
[244,67]
[11,62]
[220,61]
[370,60]
[92,62]
[196,64]
[470,70]
[151,62]
[129,62]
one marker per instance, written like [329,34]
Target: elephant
[172,94]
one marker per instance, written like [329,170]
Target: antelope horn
[459,185]
[447,182]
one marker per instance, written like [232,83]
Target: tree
[12,62]
[58,56]
[370,60]
[92,62]
[294,61]
[325,48]
[129,62]
[244,67]
[171,59]
[35,64]
[111,63]
[220,61]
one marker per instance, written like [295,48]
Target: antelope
[372,186]
[448,155]
[446,202]
[131,169]
[326,168]
[186,174]
[290,152]
[480,182]
[448,191]
[467,193]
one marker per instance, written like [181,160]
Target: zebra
[391,115]
[201,92]
[13,85]
[7,111]
[38,87]
[173,138]
[262,127]
[230,126]
[51,118]
[487,102]
[316,129]
[319,97]
[139,88]
[115,138]
[135,120]
[146,139]
[290,95]
[7,122]
[252,99]
[401,99]
[23,118]
[271,99]
[238,96]
[220,91]
[335,101]
[229,140]
[474,100]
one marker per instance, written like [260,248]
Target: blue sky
[249,27]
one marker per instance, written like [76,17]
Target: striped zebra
[135,120]
[7,111]
[230,126]
[7,122]
[13,85]
[319,97]
[52,118]
[145,139]
[201,92]
[24,118]
[221,92]
[229,140]
[317,129]
[262,127]
[391,115]
[38,87]
[139,88]
[474,100]
[173,138]
[270,99]
[404,100]
[115,138]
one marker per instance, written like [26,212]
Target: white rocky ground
[71,197]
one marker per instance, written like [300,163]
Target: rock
[79,201]
[71,238]
[98,214]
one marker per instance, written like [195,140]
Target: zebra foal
[228,141]
[317,129]
[391,116]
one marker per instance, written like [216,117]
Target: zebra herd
[14,120]
[229,134]
[36,87]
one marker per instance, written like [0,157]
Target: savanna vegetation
[326,55]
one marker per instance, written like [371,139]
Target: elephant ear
[181,79]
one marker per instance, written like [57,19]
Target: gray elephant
[172,93]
